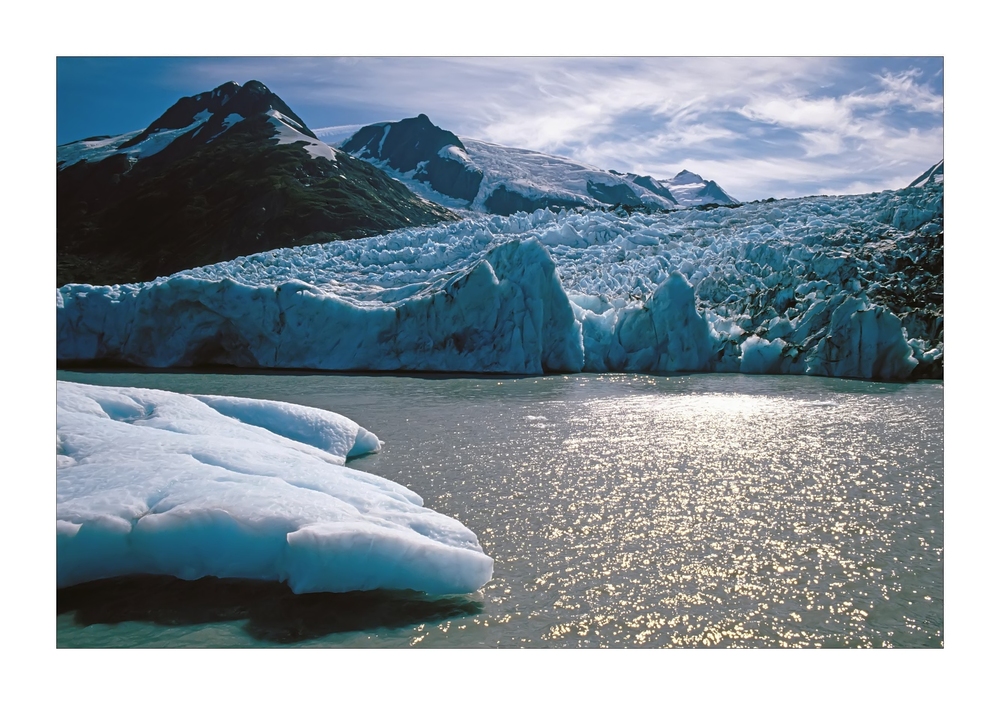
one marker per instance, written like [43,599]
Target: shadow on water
[273,612]
[121,367]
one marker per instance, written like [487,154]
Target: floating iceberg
[162,483]
[847,286]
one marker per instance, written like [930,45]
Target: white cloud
[797,112]
[818,144]
[903,89]
[690,135]
[911,146]
[752,178]
[336,133]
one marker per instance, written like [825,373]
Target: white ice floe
[826,285]
[162,483]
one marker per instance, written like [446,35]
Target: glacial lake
[621,511]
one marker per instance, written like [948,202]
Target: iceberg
[847,286]
[154,482]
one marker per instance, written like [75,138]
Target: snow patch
[457,154]
[287,132]
[95,151]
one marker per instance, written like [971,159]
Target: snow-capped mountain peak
[229,98]
[686,177]
[417,150]
[202,118]
[692,189]
[650,184]
[473,174]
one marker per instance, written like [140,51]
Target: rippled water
[621,510]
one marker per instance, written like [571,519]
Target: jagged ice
[838,286]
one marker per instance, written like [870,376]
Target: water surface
[621,510]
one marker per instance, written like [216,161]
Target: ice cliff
[847,286]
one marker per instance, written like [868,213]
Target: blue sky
[761,127]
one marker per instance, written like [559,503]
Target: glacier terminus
[845,286]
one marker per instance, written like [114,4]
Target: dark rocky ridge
[213,194]
[714,191]
[415,144]
[504,202]
[614,194]
[653,185]
[929,176]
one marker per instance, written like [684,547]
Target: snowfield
[171,484]
[846,286]
[536,176]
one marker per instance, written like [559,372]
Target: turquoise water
[621,511]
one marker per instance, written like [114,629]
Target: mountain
[228,172]
[690,190]
[650,184]
[467,173]
[418,147]
[686,190]
[934,175]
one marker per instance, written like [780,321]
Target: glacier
[845,286]
[155,482]
[513,176]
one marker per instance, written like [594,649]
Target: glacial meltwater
[621,511]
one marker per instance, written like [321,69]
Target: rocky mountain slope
[228,172]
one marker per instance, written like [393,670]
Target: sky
[761,127]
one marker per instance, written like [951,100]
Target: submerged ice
[844,286]
[156,482]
